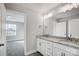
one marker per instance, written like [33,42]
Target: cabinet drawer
[43,47]
[49,44]
[69,54]
[59,46]
[43,41]
[48,48]
[49,54]
[48,51]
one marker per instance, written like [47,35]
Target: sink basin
[68,40]
[73,42]
[46,35]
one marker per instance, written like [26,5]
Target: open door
[2,30]
[15,44]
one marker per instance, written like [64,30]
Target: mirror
[54,28]
[74,28]
[63,24]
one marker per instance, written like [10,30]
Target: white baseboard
[30,52]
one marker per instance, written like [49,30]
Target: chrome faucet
[69,37]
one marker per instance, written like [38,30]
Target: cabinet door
[39,45]
[49,47]
[68,54]
[56,51]
[2,30]
[43,47]
[61,52]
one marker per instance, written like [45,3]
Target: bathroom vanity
[59,30]
[56,46]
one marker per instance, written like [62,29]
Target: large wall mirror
[54,28]
[61,29]
[62,24]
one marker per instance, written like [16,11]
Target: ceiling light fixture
[69,6]
[48,15]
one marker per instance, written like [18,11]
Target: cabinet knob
[40,44]
[62,54]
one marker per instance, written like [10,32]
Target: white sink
[72,43]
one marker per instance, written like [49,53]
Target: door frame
[25,26]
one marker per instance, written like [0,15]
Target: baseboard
[30,52]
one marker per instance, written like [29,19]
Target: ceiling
[43,8]
[38,7]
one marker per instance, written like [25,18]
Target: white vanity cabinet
[48,48]
[44,47]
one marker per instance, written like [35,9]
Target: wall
[34,27]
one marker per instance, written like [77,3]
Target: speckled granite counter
[60,40]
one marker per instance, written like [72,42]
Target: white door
[2,30]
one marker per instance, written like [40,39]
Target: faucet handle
[70,35]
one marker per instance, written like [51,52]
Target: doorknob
[1,45]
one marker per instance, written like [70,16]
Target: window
[11,29]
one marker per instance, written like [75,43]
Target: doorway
[14,33]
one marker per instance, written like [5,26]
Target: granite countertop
[60,40]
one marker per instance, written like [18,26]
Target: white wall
[33,28]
